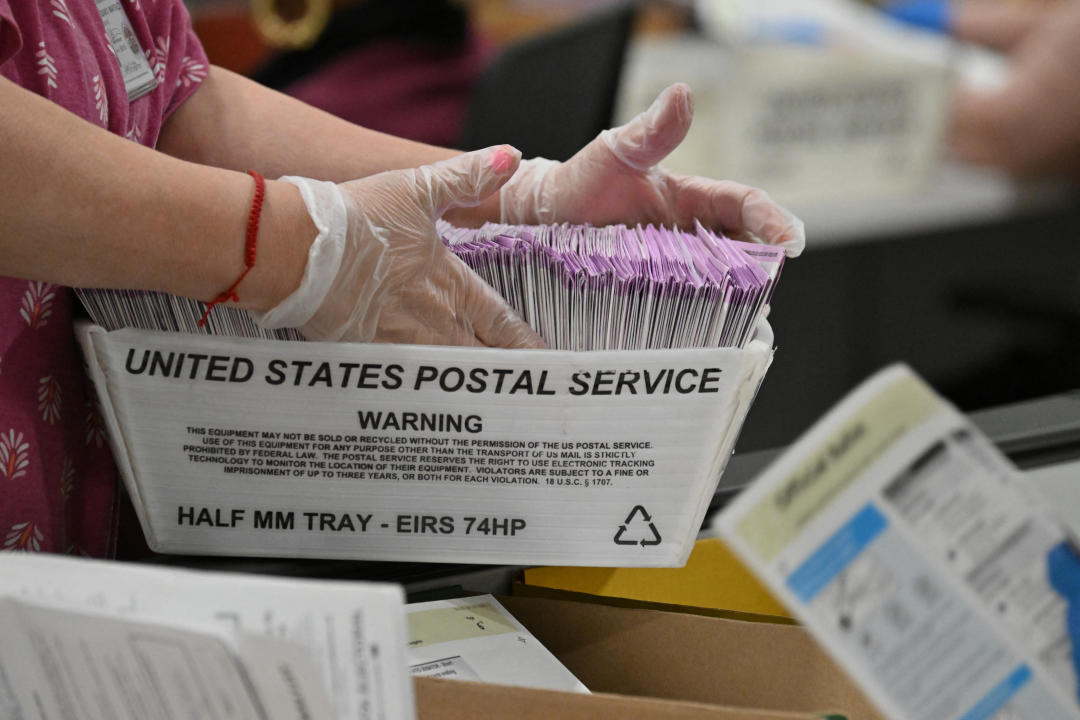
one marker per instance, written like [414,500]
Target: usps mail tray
[415,453]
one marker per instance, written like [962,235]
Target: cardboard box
[651,664]
[433,454]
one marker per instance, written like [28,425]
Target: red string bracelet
[251,239]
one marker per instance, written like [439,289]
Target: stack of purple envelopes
[146,310]
[623,288]
[580,287]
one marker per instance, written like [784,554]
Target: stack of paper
[144,310]
[65,663]
[110,641]
[623,288]
[579,287]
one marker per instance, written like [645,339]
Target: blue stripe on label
[996,698]
[836,553]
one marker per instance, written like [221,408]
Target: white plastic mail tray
[393,452]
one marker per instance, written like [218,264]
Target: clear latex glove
[378,270]
[616,179]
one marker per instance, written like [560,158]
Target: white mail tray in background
[416,453]
[810,123]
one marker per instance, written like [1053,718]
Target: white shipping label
[421,453]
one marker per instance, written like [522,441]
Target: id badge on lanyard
[138,77]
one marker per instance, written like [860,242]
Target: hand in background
[1031,126]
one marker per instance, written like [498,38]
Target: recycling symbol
[642,532]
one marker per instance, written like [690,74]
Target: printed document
[475,638]
[917,555]
[62,664]
[353,633]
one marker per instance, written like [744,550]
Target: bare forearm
[232,122]
[82,207]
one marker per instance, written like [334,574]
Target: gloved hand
[616,179]
[378,270]
[1063,568]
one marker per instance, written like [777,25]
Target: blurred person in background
[1031,125]
[405,67]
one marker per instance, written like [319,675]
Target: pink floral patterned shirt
[58,482]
